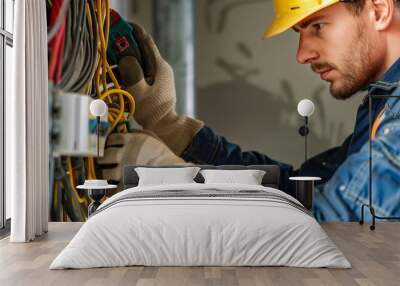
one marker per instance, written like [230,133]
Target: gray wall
[248,88]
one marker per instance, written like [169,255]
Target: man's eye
[318,26]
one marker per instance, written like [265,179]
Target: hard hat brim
[282,24]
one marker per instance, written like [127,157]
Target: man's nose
[305,52]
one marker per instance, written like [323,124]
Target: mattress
[201,225]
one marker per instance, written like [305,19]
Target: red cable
[57,43]
[55,52]
[55,11]
[61,53]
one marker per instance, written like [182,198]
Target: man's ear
[381,13]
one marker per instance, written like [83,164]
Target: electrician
[353,45]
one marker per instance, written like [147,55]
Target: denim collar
[392,75]
[388,82]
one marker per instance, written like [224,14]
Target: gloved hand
[155,95]
[137,148]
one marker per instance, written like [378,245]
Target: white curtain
[27,143]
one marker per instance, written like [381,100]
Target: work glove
[137,148]
[155,95]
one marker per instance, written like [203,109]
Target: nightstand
[304,187]
[96,191]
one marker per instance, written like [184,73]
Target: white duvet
[200,232]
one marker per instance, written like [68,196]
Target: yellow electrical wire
[105,67]
[127,94]
[111,118]
[92,168]
[70,172]
[89,18]
[97,76]
[116,95]
[114,112]
[55,196]
[103,46]
[108,19]
[88,171]
[87,174]
[116,115]
[72,181]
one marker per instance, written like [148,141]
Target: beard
[357,68]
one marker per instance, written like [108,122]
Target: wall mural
[251,115]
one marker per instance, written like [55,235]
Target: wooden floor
[375,257]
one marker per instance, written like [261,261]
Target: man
[354,45]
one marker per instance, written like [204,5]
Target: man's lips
[324,73]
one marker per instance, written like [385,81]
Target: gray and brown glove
[156,97]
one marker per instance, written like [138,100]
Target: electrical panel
[74,128]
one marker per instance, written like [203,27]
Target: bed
[201,224]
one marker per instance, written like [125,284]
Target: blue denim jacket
[344,169]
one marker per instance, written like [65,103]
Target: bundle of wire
[78,33]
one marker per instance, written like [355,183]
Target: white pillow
[248,177]
[165,176]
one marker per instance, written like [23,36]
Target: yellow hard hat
[290,12]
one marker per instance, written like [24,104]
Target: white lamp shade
[305,108]
[98,108]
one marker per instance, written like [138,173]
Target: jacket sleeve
[341,198]
[210,148]
[325,164]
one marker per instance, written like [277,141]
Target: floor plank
[375,257]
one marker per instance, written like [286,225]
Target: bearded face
[341,48]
